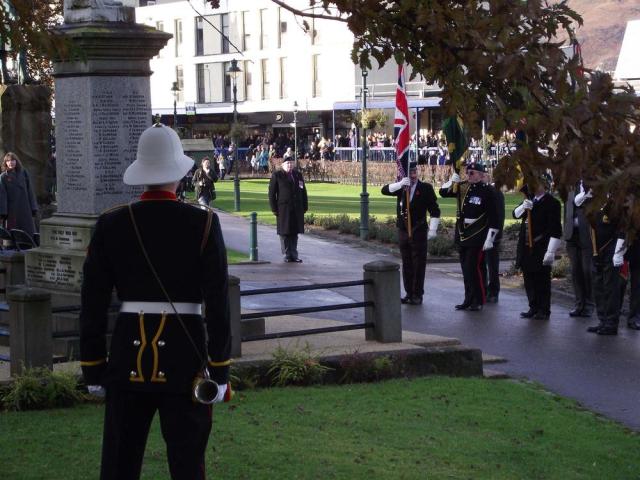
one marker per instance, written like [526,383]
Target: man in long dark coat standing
[288,202]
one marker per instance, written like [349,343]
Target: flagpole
[364,196]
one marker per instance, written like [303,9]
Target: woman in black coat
[18,203]
[288,202]
[203,181]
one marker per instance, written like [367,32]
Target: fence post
[384,292]
[30,341]
[234,310]
[253,237]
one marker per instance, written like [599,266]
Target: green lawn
[326,199]
[234,256]
[428,428]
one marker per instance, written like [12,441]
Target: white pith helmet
[160,158]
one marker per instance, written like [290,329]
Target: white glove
[433,228]
[520,209]
[550,256]
[394,187]
[455,178]
[222,390]
[618,256]
[491,235]
[582,197]
[96,390]
[527,204]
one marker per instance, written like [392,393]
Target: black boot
[528,314]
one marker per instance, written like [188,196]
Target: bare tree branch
[301,13]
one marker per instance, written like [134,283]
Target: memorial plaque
[53,270]
[98,121]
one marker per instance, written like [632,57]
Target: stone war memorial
[102,106]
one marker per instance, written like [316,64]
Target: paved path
[599,372]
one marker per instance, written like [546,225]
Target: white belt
[467,221]
[183,308]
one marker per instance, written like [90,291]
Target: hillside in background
[603,29]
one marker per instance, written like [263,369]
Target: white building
[628,67]
[281,64]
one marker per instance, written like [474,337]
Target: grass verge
[327,199]
[234,256]
[401,429]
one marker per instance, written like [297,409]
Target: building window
[228,94]
[208,39]
[180,80]
[247,80]
[160,26]
[210,78]
[315,87]
[282,28]
[265,79]
[264,29]
[246,32]
[283,77]
[178,37]
[224,23]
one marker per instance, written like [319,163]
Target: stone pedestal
[102,106]
[25,129]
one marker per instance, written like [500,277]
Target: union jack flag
[401,126]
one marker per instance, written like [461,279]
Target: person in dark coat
[477,225]
[18,205]
[160,343]
[577,233]
[288,202]
[203,181]
[536,261]
[413,248]
[608,257]
[492,256]
[633,257]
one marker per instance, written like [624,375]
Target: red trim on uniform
[480,276]
[158,195]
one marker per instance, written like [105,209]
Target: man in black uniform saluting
[535,260]
[477,225]
[159,344]
[413,248]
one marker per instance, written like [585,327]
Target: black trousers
[580,260]
[473,273]
[492,260]
[606,289]
[289,246]
[185,428]
[414,260]
[634,293]
[537,284]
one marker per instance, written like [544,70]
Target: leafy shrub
[366,367]
[440,246]
[511,230]
[387,233]
[296,367]
[561,268]
[243,378]
[329,222]
[310,218]
[40,388]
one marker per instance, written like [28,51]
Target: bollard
[253,237]
[384,292]
[13,262]
[234,313]
[30,341]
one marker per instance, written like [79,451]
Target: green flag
[457,142]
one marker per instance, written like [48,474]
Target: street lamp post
[364,196]
[175,88]
[233,72]
[295,131]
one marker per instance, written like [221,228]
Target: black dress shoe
[594,328]
[296,260]
[492,299]
[475,307]
[463,306]
[528,314]
[416,300]
[406,299]
[287,260]
[541,316]
[607,331]
[576,312]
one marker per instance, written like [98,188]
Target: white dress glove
[96,390]
[394,187]
[491,235]
[455,178]
[582,197]
[433,228]
[222,390]
[524,206]
[550,256]
[618,256]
